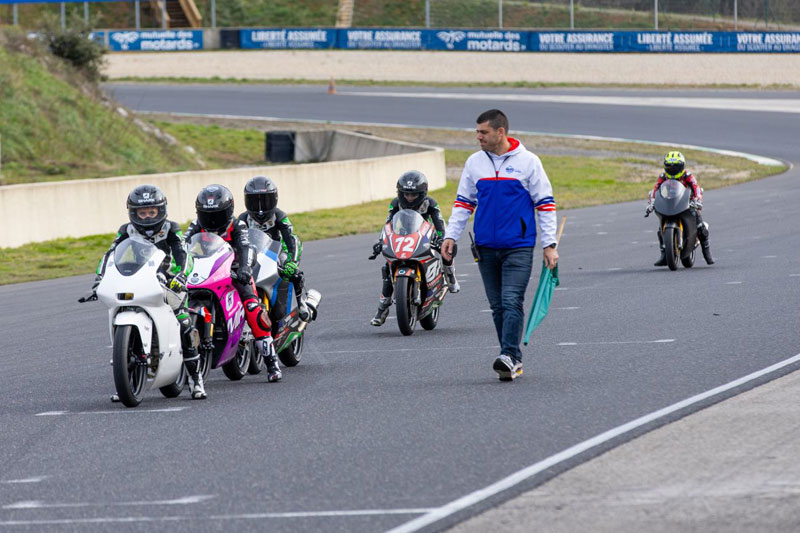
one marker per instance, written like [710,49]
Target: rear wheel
[406,310]
[130,372]
[430,321]
[174,390]
[237,367]
[290,356]
[688,261]
[672,248]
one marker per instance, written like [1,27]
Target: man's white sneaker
[507,368]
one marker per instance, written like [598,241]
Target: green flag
[548,282]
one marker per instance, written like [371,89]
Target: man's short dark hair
[496,119]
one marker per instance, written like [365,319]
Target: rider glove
[244,274]
[289,269]
[178,283]
[377,247]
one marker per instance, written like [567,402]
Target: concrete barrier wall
[44,211]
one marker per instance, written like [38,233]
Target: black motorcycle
[678,223]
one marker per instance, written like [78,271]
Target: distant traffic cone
[332,87]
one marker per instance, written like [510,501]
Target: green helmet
[674,163]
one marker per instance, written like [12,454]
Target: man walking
[506,184]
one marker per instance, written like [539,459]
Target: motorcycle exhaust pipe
[313,298]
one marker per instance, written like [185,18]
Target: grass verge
[583,173]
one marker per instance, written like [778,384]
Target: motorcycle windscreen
[406,222]
[203,244]
[132,254]
[672,198]
[258,239]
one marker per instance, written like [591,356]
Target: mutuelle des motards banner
[155,40]
[278,38]
[663,41]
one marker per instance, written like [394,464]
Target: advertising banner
[278,38]
[477,40]
[155,40]
[765,42]
[572,41]
[384,38]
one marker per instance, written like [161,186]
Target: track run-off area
[375,431]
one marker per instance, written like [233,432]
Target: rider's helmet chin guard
[674,164]
[412,182]
[214,206]
[147,196]
[260,198]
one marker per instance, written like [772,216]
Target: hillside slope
[55,125]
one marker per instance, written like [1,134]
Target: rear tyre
[174,390]
[406,310]
[237,367]
[130,375]
[430,321]
[291,355]
[672,248]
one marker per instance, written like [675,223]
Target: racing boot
[383,311]
[662,261]
[302,308]
[702,234]
[450,276]
[196,387]
[267,350]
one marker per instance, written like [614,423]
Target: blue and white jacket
[504,192]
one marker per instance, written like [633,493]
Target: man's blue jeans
[505,274]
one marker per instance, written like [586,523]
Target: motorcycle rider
[412,193]
[261,202]
[147,211]
[674,169]
[214,206]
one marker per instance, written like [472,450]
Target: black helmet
[147,196]
[260,198]
[214,208]
[412,182]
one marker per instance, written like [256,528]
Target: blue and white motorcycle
[277,294]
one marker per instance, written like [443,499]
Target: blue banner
[765,42]
[155,40]
[384,38]
[477,40]
[277,38]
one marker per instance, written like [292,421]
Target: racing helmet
[147,221]
[260,198]
[674,163]
[412,182]
[214,207]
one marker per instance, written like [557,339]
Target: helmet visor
[261,203]
[213,220]
[147,216]
[673,169]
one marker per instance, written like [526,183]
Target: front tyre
[672,248]
[406,310]
[130,372]
[688,261]
[256,361]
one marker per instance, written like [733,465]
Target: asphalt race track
[374,429]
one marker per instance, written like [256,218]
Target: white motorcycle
[144,331]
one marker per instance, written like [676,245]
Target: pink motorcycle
[218,309]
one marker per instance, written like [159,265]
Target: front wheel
[236,368]
[130,370]
[688,261]
[672,247]
[406,310]
[256,361]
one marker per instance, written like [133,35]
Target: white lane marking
[777,105]
[410,349]
[658,341]
[769,256]
[794,275]
[565,308]
[602,233]
[734,283]
[132,519]
[615,268]
[35,479]
[62,413]
[530,471]
[761,160]
[36,504]
[486,310]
